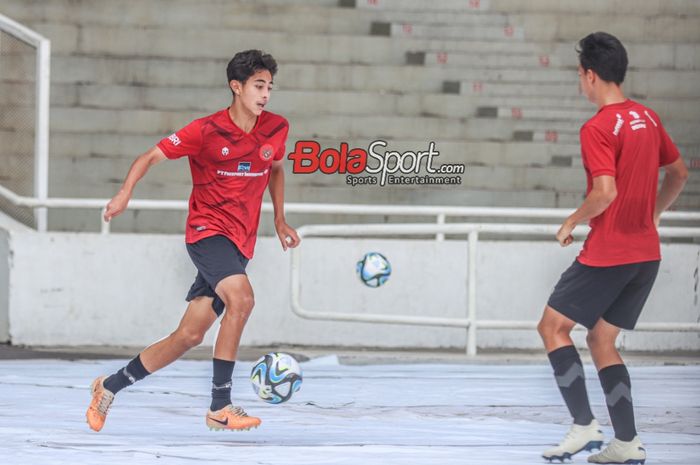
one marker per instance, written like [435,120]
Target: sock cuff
[135,369]
[223,363]
[563,354]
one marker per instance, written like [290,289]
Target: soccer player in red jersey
[623,146]
[234,154]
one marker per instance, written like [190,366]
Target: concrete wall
[72,289]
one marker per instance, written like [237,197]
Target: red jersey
[627,141]
[230,171]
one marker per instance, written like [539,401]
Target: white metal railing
[41,130]
[439,229]
[471,322]
[440,213]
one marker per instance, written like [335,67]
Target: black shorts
[216,258]
[617,294]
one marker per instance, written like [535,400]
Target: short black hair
[244,64]
[604,54]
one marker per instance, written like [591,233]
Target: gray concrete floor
[345,355]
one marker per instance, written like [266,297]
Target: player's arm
[287,235]
[674,180]
[138,169]
[597,201]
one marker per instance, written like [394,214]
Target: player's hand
[287,235]
[117,205]
[564,236]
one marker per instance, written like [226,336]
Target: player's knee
[190,337]
[549,329]
[545,328]
[240,306]
[596,340]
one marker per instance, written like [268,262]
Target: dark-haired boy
[233,155]
[623,146]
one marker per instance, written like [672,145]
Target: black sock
[615,381]
[568,371]
[221,384]
[132,372]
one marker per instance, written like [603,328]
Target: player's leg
[222,267]
[626,447]
[190,332]
[237,295]
[197,319]
[573,301]
[555,330]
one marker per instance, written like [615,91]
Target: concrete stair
[492,82]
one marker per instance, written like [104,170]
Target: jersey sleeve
[668,152]
[186,142]
[598,152]
[283,141]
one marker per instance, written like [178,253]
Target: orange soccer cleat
[231,418]
[99,406]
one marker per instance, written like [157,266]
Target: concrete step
[552,27]
[206,99]
[682,56]
[160,123]
[216,43]
[486,60]
[261,16]
[649,8]
[208,73]
[292,17]
[637,8]
[386,78]
[497,32]
[638,84]
[100,146]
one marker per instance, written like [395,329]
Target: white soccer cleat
[578,438]
[627,452]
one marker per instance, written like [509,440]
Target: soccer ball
[374,269]
[275,377]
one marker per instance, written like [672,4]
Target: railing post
[104,227]
[440,221]
[471,295]
[41,136]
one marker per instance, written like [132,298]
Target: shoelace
[105,402]
[238,411]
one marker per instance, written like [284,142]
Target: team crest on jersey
[224,151]
[266,152]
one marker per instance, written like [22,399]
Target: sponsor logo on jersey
[174,139]
[244,167]
[637,122]
[618,124]
[266,152]
[224,151]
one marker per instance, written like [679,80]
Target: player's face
[585,83]
[255,93]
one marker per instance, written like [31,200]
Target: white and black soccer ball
[275,377]
[374,269]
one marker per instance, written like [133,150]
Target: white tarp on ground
[366,415]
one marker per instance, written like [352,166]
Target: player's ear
[235,87]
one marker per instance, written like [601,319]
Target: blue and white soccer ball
[374,269]
[275,377]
